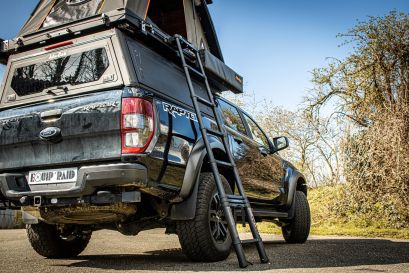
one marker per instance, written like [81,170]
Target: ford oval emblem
[51,134]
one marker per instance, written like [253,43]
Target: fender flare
[186,210]
[290,186]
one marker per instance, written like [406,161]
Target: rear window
[75,69]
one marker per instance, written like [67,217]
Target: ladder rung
[234,197]
[204,101]
[196,72]
[236,201]
[238,205]
[224,164]
[215,133]
[250,241]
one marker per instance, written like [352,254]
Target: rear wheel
[206,238]
[297,230]
[50,242]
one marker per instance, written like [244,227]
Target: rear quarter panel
[178,133]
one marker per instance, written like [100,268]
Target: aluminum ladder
[229,202]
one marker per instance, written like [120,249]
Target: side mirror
[280,143]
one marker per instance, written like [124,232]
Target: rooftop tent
[189,18]
[53,19]
[49,13]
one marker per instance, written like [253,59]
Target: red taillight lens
[67,43]
[137,125]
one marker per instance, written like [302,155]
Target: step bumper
[90,178]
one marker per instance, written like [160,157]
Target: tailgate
[69,132]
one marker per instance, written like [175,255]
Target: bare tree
[370,89]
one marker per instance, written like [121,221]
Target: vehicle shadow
[314,254]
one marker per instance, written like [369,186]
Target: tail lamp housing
[137,125]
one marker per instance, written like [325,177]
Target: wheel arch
[198,163]
[219,154]
[302,185]
[294,181]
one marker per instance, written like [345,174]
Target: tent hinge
[19,43]
[105,19]
[147,28]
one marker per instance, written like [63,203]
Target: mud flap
[187,209]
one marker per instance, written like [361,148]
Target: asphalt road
[153,251]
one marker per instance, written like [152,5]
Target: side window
[256,132]
[231,117]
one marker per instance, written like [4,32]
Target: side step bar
[270,214]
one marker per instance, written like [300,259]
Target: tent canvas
[189,18]
[49,13]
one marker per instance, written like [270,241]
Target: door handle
[51,114]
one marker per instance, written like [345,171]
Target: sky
[274,44]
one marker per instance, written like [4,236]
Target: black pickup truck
[99,132]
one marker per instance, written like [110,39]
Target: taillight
[59,45]
[137,125]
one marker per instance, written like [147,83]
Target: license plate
[53,176]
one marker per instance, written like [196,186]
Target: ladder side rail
[238,182]
[219,184]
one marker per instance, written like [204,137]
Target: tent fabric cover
[65,12]
[50,13]
[199,27]
[230,79]
[37,17]
[195,32]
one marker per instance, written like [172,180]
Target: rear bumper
[90,178]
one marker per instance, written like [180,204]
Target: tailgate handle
[51,114]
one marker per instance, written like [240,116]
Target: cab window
[231,117]
[256,132]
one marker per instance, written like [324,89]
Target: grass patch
[330,216]
[351,230]
[338,230]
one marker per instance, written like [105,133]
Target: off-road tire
[46,241]
[195,235]
[298,229]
